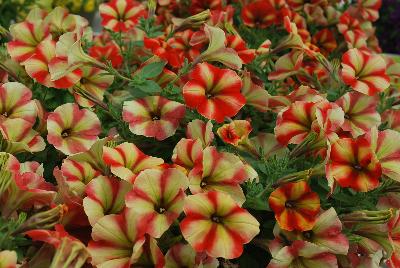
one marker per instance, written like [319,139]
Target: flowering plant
[197,133]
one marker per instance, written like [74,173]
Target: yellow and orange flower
[353,163]
[235,132]
[295,206]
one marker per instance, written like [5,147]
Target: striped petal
[16,102]
[72,130]
[214,92]
[116,241]
[127,161]
[121,15]
[198,129]
[20,136]
[187,152]
[295,206]
[214,223]
[360,113]
[294,123]
[218,171]
[387,150]
[157,198]
[105,195]
[364,72]
[153,116]
[354,164]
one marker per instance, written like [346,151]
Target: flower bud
[192,22]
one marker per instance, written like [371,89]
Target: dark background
[388,26]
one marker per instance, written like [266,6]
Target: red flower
[214,92]
[260,14]
[159,47]
[107,53]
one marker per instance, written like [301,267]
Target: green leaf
[149,86]
[256,203]
[151,70]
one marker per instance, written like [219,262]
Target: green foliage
[8,239]
[150,28]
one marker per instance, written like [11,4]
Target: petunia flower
[127,161]
[16,102]
[121,15]
[105,196]
[19,136]
[218,171]
[78,174]
[214,92]
[116,240]
[307,254]
[356,39]
[214,223]
[26,36]
[236,132]
[60,21]
[255,93]
[295,206]
[69,251]
[198,129]
[200,5]
[287,65]
[386,148]
[326,233]
[391,118]
[74,216]
[364,72]
[298,121]
[217,50]
[183,255]
[165,51]
[72,130]
[8,259]
[92,85]
[325,41]
[237,43]
[109,52]
[153,116]
[260,14]
[157,198]
[181,42]
[187,153]
[353,163]
[360,113]
[369,9]
[38,66]
[347,22]
[27,189]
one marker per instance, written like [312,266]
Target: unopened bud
[43,220]
[367,216]
[192,22]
